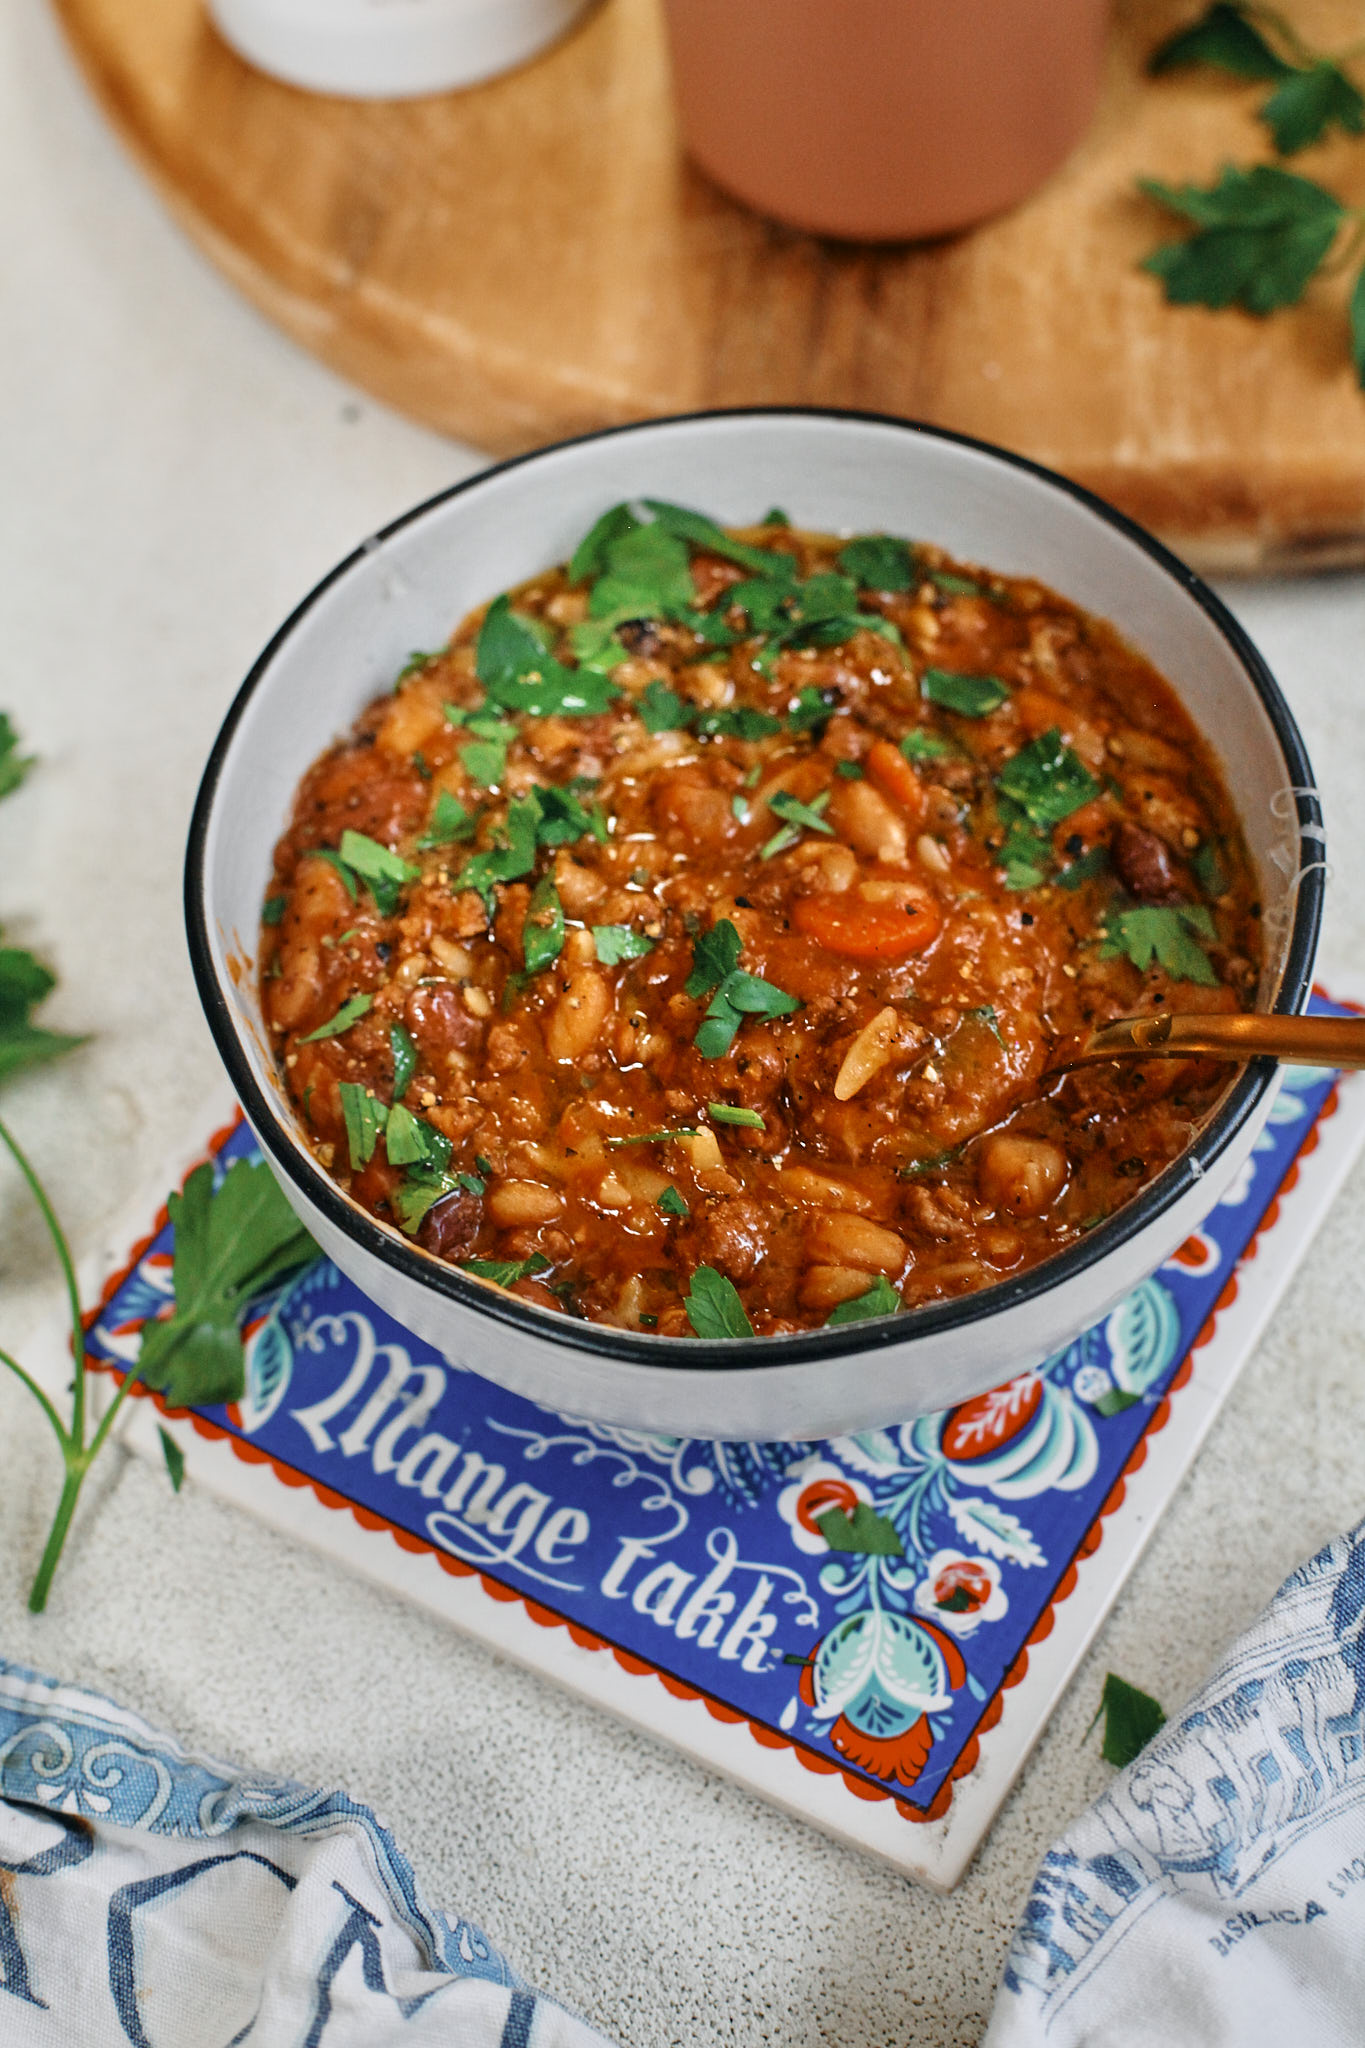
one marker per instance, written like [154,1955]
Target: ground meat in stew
[684,947]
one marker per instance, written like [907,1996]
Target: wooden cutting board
[533,258]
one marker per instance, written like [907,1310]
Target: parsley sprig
[1262,234]
[734,994]
[1172,935]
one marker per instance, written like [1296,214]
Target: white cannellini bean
[802,1185]
[933,853]
[824,1287]
[455,959]
[578,1016]
[868,1054]
[839,1239]
[516,1203]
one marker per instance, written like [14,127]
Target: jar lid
[389,49]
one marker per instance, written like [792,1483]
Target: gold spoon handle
[1296,1041]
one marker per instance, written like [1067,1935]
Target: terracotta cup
[884,120]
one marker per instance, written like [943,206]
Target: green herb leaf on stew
[1209,870]
[797,817]
[417,659]
[386,872]
[410,1141]
[715,954]
[672,1203]
[542,935]
[422,1188]
[850,771]
[648,575]
[738,722]
[590,556]
[520,675]
[919,745]
[596,646]
[14,766]
[878,562]
[704,533]
[485,758]
[333,859]
[881,1299]
[811,710]
[1260,235]
[735,1113]
[956,586]
[404,1051]
[450,823]
[365,1118]
[351,1011]
[1026,854]
[1131,1719]
[713,1306]
[862,1531]
[618,942]
[654,1137]
[663,710]
[230,1244]
[273,909]
[969,696]
[1047,780]
[1085,869]
[1170,934]
[505,1272]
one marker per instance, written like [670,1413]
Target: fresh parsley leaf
[985,1015]
[1085,869]
[881,1299]
[1168,934]
[404,1050]
[811,710]
[864,1531]
[672,1203]
[1047,780]
[618,942]
[231,1243]
[1225,38]
[273,909]
[775,516]
[410,1141]
[511,856]
[519,674]
[738,722]
[654,1137]
[1025,855]
[450,823]
[648,575]
[365,1118]
[797,816]
[1209,871]
[351,1011]
[969,696]
[878,562]
[485,758]
[704,533]
[175,1458]
[595,645]
[715,954]
[422,1188]
[1260,235]
[1307,104]
[735,1113]
[563,818]
[505,1272]
[716,1032]
[850,771]
[24,982]
[386,872]
[921,745]
[13,765]
[542,935]
[1131,1719]
[590,556]
[333,859]
[417,659]
[713,1306]
[663,710]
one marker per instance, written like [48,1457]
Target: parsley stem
[61,1524]
[56,1233]
[39,1396]
[126,1385]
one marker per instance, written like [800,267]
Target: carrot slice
[894,777]
[888,929]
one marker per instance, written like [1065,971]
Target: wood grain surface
[533,258]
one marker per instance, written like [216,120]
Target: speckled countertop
[173,475]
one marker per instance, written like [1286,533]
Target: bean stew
[686,946]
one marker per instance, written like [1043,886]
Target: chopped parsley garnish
[410,1141]
[812,709]
[715,966]
[351,1011]
[956,586]
[734,1113]
[422,1188]
[775,516]
[878,562]
[505,1272]
[713,1306]
[663,710]
[1089,865]
[1209,870]
[822,611]
[14,766]
[404,1050]
[797,817]
[618,942]
[1047,780]
[919,745]
[595,645]
[984,1014]
[590,556]
[850,770]
[1172,935]
[1026,854]
[485,758]
[881,1299]
[273,909]
[547,815]
[386,872]
[365,1118]
[704,533]
[417,659]
[519,673]
[654,1137]
[672,1203]
[969,696]
[450,823]
[333,859]
[542,935]
[738,722]
[647,575]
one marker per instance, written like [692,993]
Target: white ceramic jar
[390,49]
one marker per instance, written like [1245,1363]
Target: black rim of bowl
[809,1347]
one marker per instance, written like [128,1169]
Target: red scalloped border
[637,1667]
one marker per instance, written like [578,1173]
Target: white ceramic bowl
[408,587]
[390,49]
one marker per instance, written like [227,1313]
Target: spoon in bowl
[1295,1041]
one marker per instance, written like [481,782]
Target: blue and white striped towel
[169,1901]
[1214,1897]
